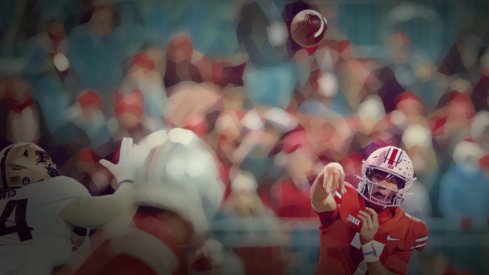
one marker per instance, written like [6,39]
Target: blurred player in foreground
[178,192]
[364,229]
[39,209]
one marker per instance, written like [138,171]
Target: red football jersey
[398,235]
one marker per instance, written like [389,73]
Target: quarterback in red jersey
[364,230]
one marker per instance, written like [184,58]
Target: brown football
[308,28]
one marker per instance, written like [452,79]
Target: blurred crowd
[77,78]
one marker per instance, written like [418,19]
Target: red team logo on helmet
[393,157]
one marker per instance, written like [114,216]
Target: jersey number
[20,227]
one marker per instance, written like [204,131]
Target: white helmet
[24,163]
[387,162]
[181,175]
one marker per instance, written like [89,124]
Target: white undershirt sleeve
[94,212]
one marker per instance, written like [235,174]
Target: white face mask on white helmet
[390,163]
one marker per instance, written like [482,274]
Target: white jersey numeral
[11,223]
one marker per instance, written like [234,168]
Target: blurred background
[78,75]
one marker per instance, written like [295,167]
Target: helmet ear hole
[53,172]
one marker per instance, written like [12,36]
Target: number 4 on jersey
[20,225]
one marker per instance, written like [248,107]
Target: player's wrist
[365,240]
[370,254]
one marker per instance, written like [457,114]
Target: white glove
[124,170]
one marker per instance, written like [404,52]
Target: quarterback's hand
[370,225]
[124,169]
[334,178]
[330,180]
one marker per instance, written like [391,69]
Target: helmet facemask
[381,195]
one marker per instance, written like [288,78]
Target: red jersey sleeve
[420,235]
[416,238]
[328,217]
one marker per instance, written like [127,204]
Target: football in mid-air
[308,28]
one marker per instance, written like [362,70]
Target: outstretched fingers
[126,148]
[328,181]
[333,178]
[342,183]
[107,164]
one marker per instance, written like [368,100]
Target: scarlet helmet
[24,163]
[389,163]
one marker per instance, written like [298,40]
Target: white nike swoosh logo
[389,238]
